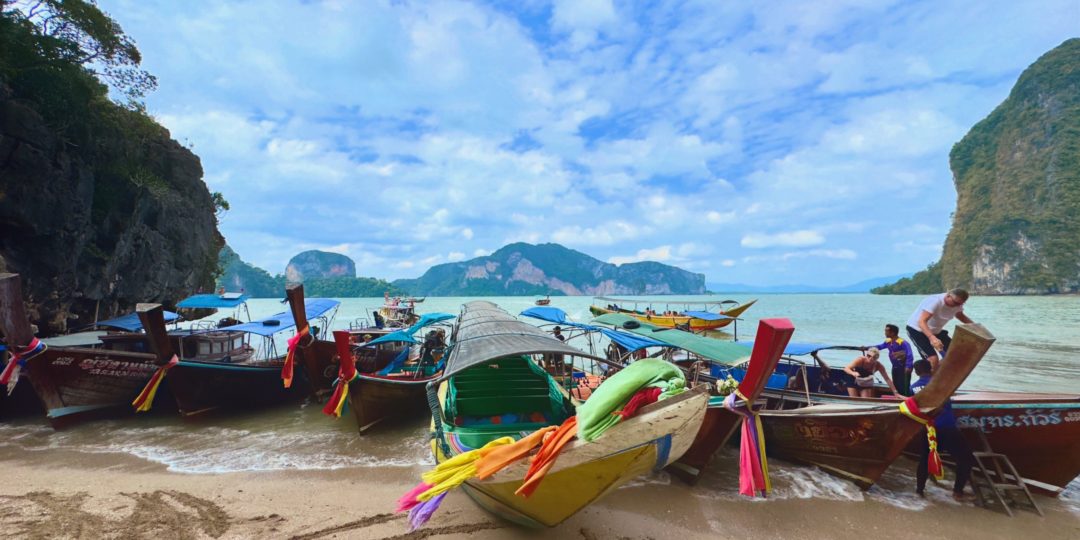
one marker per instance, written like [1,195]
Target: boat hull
[79,384]
[374,399]
[202,387]
[856,443]
[717,427]
[584,472]
[1039,434]
[695,324]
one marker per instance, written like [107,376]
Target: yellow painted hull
[695,323]
[584,472]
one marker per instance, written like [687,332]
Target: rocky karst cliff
[522,269]
[1016,229]
[120,218]
[319,264]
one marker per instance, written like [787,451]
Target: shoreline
[49,493]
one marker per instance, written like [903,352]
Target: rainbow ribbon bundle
[910,409]
[145,399]
[337,400]
[17,362]
[287,369]
[753,465]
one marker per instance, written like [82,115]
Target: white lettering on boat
[1029,418]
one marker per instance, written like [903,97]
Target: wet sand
[60,494]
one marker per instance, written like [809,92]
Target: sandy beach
[60,494]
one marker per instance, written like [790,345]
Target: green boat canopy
[727,353]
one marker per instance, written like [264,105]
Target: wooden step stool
[996,486]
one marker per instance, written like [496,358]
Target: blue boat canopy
[547,313]
[131,322]
[278,322]
[706,315]
[408,335]
[428,319]
[213,301]
[801,349]
[628,341]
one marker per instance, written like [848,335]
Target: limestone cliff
[523,269]
[1017,175]
[319,264]
[100,227]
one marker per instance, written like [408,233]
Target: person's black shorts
[922,343]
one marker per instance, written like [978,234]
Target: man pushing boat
[926,326]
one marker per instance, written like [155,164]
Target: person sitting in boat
[949,439]
[900,356]
[379,322]
[554,363]
[860,379]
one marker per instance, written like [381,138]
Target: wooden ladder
[991,483]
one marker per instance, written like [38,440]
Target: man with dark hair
[900,356]
[949,439]
[926,326]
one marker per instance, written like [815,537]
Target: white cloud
[455,256]
[793,238]
[661,253]
[727,263]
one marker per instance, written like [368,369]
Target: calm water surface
[1036,350]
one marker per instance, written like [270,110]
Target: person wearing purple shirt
[901,357]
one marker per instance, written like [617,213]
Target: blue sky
[754,142]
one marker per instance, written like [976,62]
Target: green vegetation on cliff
[526,269]
[924,282]
[238,275]
[99,207]
[1017,176]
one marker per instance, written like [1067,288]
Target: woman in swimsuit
[860,380]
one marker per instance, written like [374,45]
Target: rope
[436,417]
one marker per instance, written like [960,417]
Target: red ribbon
[18,361]
[145,399]
[287,369]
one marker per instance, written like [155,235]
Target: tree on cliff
[76,32]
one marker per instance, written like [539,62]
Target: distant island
[515,269]
[861,287]
[1017,176]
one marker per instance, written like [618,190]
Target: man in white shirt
[926,327]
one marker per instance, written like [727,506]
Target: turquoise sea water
[1036,350]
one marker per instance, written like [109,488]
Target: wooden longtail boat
[694,320]
[856,439]
[1038,432]
[493,387]
[99,376]
[380,391]
[201,386]
[754,373]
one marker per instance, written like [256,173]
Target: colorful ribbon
[145,399]
[545,457]
[910,409]
[337,401]
[287,369]
[753,465]
[10,375]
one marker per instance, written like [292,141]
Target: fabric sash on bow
[346,374]
[910,409]
[287,369]
[753,466]
[10,375]
[145,398]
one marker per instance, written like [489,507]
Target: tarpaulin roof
[408,335]
[721,352]
[486,332]
[628,341]
[278,322]
[131,322]
[215,301]
[800,349]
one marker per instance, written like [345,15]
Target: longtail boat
[1038,432]
[704,316]
[96,375]
[754,371]
[858,440]
[379,391]
[493,387]
[200,386]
